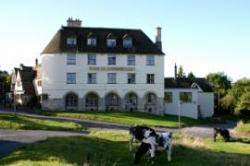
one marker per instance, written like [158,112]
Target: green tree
[191,76]
[241,94]
[4,84]
[220,83]
[180,73]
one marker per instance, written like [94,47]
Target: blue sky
[202,36]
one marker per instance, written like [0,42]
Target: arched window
[112,99]
[151,98]
[91,100]
[71,100]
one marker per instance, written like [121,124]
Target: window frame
[111,78]
[131,80]
[93,79]
[70,60]
[127,43]
[71,41]
[169,98]
[186,97]
[110,60]
[150,78]
[69,79]
[129,60]
[91,41]
[91,59]
[111,42]
[150,60]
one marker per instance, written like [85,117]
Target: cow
[150,142]
[223,132]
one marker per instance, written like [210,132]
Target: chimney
[36,62]
[175,71]
[74,22]
[158,38]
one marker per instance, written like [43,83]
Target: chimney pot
[74,22]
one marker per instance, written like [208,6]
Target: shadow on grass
[8,146]
[103,152]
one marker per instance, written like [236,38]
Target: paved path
[206,131]
[12,139]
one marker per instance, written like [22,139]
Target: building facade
[191,98]
[102,69]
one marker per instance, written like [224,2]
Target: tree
[4,85]
[220,83]
[241,93]
[180,73]
[191,76]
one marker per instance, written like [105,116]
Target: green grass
[12,121]
[127,118]
[107,148]
[243,127]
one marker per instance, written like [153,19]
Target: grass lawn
[12,121]
[243,127]
[127,118]
[108,148]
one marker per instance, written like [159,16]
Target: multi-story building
[102,69]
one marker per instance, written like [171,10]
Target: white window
[150,60]
[111,60]
[71,78]
[150,78]
[111,43]
[127,43]
[91,59]
[186,97]
[111,78]
[71,41]
[91,41]
[71,59]
[131,60]
[131,78]
[91,78]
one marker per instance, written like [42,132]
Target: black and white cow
[147,136]
[164,141]
[150,142]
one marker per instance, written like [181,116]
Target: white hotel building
[103,69]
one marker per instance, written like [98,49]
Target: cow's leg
[169,150]
[131,140]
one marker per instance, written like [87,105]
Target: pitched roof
[141,42]
[170,82]
[27,75]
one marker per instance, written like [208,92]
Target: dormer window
[127,41]
[91,40]
[111,41]
[71,41]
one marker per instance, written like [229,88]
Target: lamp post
[179,113]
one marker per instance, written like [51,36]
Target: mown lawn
[108,148]
[127,118]
[12,121]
